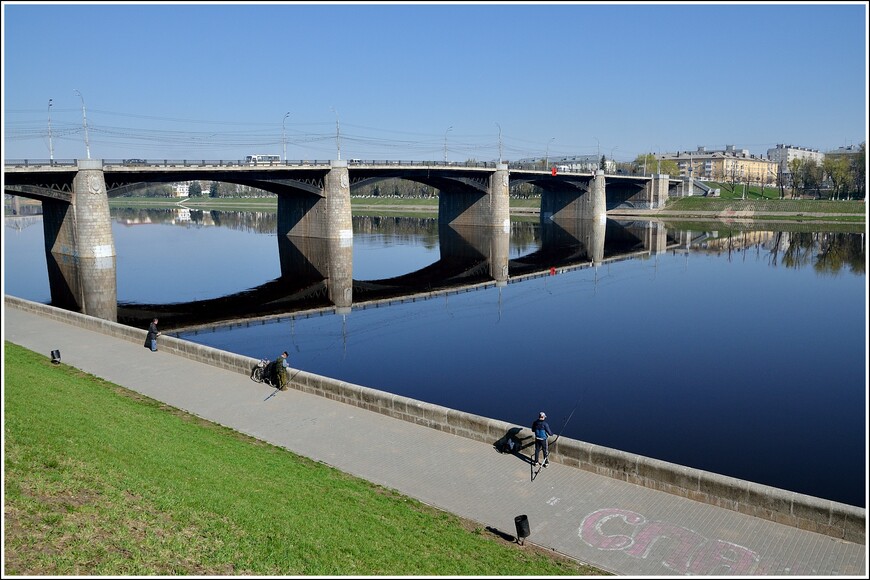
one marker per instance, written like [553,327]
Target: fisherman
[279,368]
[541,430]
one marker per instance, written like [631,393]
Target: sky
[408,81]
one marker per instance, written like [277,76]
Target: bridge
[313,205]
[313,197]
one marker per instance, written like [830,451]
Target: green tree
[194,189]
[795,169]
[859,172]
[812,177]
[655,165]
[838,171]
[215,190]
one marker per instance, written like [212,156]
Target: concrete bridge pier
[79,245]
[487,206]
[327,215]
[596,207]
[499,198]
[323,232]
[86,285]
[587,202]
[656,192]
[83,227]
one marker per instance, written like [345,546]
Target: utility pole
[50,146]
[337,133]
[445,142]
[284,135]
[84,123]
[547,157]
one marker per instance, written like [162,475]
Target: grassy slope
[102,481]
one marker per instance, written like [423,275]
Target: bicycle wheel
[257,374]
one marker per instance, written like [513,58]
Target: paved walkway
[615,526]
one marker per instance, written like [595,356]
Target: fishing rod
[565,424]
[289,380]
[562,430]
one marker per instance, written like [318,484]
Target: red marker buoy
[553,170]
[552,271]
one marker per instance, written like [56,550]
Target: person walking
[541,430]
[151,339]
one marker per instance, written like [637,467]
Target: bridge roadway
[611,524]
[54,179]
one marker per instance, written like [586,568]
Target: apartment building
[729,164]
[784,154]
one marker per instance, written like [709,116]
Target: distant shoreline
[700,209]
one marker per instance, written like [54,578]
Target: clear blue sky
[215,81]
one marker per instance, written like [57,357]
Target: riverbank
[700,208]
[717,209]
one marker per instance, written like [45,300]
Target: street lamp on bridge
[547,156]
[84,123]
[337,132]
[284,135]
[445,142]
[499,142]
[50,146]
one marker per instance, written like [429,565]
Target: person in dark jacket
[542,430]
[279,368]
[151,339]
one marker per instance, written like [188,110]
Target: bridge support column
[656,191]
[489,208]
[84,227]
[78,239]
[596,208]
[326,216]
[499,198]
[86,285]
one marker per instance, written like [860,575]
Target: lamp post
[337,133]
[84,123]
[50,146]
[445,142]
[284,136]
[499,142]
[547,156]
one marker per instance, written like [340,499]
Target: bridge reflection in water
[317,274]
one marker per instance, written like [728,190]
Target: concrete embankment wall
[802,511]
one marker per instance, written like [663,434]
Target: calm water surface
[749,362]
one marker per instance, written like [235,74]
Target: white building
[783,154]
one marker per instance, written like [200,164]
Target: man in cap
[541,430]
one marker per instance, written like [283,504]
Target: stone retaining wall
[802,511]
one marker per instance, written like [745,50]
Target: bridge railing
[243,163]
[41,162]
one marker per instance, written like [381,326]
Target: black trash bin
[522,523]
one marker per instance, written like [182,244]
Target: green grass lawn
[795,206]
[102,481]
